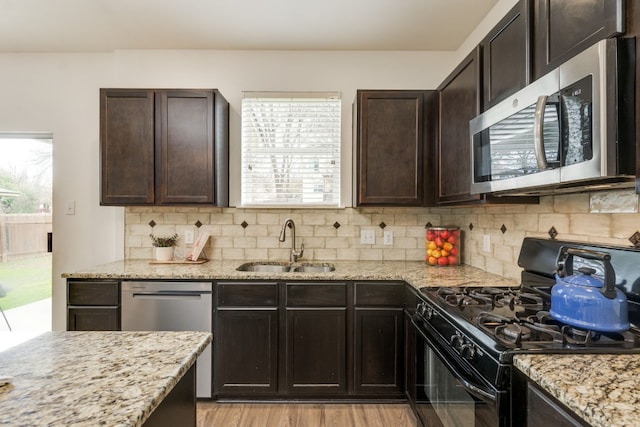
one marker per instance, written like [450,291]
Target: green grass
[25,280]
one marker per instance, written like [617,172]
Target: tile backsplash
[334,234]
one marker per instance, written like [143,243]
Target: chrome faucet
[293,256]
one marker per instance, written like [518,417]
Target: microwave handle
[538,133]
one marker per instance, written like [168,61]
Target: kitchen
[76,77]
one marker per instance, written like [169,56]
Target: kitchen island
[603,390]
[97,378]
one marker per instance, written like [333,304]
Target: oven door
[449,393]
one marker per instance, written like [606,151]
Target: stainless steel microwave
[570,130]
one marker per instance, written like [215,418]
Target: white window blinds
[291,149]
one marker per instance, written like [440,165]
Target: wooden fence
[23,235]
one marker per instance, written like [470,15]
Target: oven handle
[487,396]
[538,133]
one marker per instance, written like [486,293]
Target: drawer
[380,294]
[257,294]
[316,294]
[93,292]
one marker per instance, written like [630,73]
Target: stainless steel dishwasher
[172,306]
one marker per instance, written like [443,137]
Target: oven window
[451,403]
[444,401]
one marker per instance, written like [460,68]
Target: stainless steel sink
[274,267]
[264,267]
[314,268]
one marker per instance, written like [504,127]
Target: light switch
[71,207]
[188,237]
[388,237]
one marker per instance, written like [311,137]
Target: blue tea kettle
[585,301]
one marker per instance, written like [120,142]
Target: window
[290,149]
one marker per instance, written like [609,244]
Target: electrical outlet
[368,237]
[188,237]
[388,237]
[486,243]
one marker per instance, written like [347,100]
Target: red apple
[443,261]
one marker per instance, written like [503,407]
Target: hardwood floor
[304,415]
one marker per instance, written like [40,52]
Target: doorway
[25,231]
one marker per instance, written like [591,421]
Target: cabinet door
[93,318]
[315,351]
[390,147]
[378,351]
[544,411]
[246,352]
[505,54]
[459,103]
[126,146]
[564,28]
[185,146]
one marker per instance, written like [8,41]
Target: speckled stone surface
[416,273]
[603,390]
[94,378]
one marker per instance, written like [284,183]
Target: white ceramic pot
[164,254]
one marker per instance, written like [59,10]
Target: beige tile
[336,243]
[559,221]
[393,254]
[256,254]
[325,254]
[590,224]
[347,254]
[405,243]
[624,225]
[571,203]
[371,255]
[268,219]
[221,218]
[314,219]
[233,253]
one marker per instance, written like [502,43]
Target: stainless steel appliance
[467,337]
[172,306]
[571,129]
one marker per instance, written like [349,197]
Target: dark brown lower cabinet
[245,341]
[410,371]
[378,351]
[309,340]
[93,305]
[316,351]
[246,357]
[533,407]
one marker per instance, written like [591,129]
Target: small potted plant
[164,246]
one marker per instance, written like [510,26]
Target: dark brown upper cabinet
[164,147]
[563,28]
[505,56]
[459,103]
[394,147]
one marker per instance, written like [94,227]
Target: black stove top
[518,320]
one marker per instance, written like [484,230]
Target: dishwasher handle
[170,294]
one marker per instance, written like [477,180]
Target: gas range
[467,336]
[517,320]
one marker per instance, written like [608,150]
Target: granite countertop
[94,378]
[416,273]
[602,389]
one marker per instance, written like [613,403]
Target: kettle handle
[565,266]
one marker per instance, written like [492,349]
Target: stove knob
[428,313]
[456,341]
[468,351]
[420,309]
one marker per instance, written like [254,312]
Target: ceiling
[107,25]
